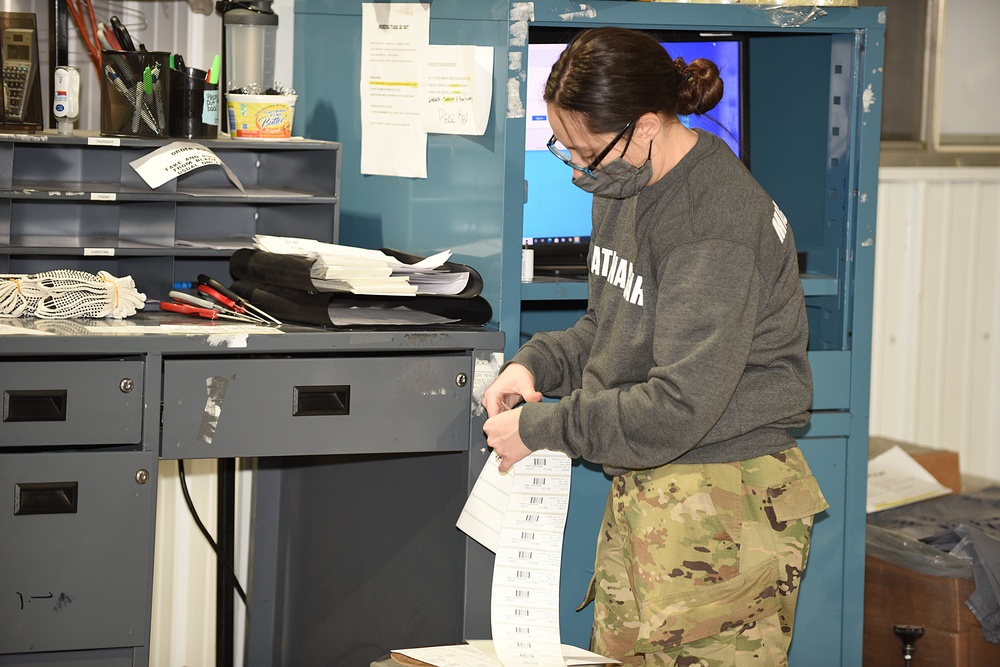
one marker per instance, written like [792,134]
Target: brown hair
[610,76]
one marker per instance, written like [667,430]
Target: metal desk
[368,442]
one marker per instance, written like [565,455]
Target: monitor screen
[557,213]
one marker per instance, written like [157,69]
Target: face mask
[617,179]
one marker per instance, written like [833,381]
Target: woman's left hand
[503,436]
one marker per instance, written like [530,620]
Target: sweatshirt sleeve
[557,358]
[706,306]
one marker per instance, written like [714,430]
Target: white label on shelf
[103,196]
[176,159]
[104,141]
[98,252]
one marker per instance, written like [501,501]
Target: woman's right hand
[513,385]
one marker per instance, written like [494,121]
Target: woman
[685,374]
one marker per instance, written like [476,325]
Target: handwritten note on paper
[410,88]
[895,479]
[458,89]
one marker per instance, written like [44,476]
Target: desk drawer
[76,550]
[53,403]
[319,405]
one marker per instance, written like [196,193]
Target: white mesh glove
[66,293]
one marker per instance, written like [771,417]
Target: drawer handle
[34,405]
[45,498]
[321,400]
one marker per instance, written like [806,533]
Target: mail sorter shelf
[76,203]
[307,167]
[162,236]
[155,225]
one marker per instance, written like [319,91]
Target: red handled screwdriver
[207,313]
[237,299]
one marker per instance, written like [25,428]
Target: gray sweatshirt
[693,346]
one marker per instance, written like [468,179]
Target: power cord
[204,531]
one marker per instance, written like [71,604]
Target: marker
[213,73]
[154,76]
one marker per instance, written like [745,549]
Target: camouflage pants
[699,564]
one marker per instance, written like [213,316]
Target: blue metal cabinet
[814,121]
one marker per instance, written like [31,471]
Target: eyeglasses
[563,154]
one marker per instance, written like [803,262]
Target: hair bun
[701,87]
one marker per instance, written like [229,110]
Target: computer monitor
[557,213]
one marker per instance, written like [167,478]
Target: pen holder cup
[194,104]
[135,95]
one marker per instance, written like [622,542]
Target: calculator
[18,70]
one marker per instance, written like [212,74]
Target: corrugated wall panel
[935,363]
[183,622]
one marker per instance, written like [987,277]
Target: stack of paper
[895,478]
[481,653]
[340,268]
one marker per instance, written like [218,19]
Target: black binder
[281,285]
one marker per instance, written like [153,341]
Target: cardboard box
[896,595]
[941,463]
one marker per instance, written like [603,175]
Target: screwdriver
[207,313]
[229,303]
[192,300]
[237,299]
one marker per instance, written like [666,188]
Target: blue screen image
[556,211]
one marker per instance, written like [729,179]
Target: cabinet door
[76,550]
[819,618]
